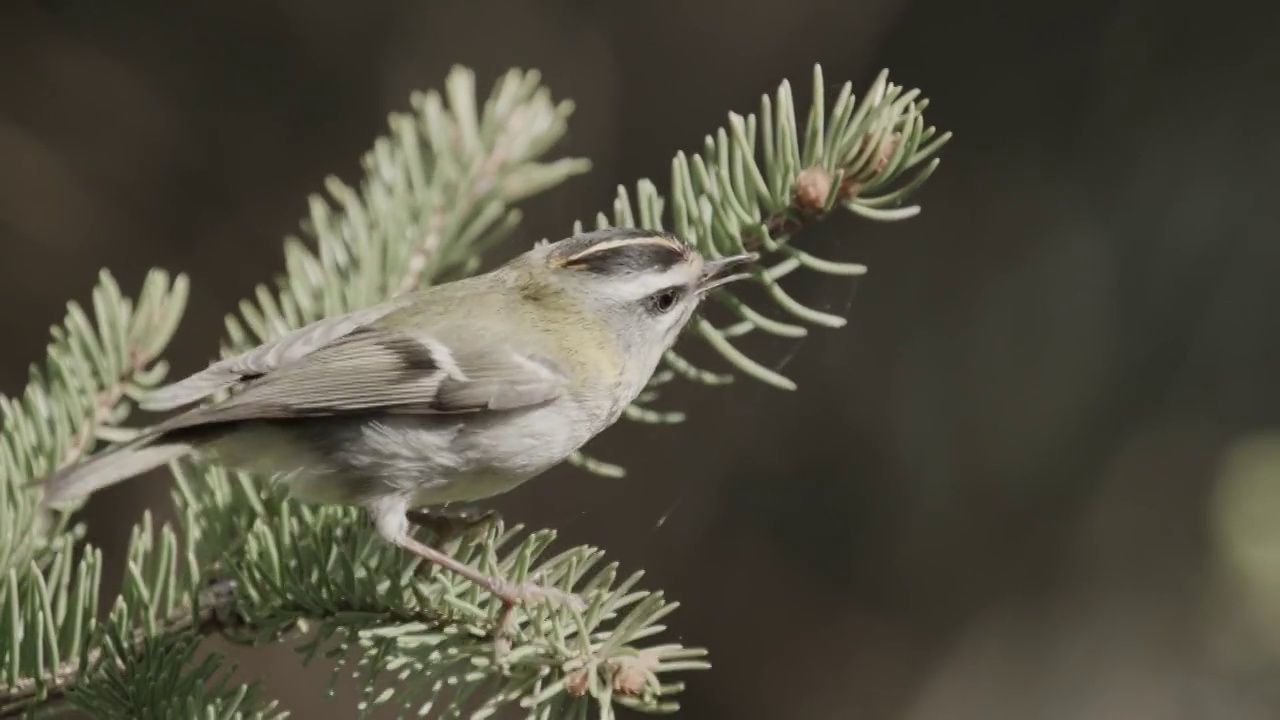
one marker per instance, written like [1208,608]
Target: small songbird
[453,393]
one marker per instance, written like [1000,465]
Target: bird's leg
[391,520]
[445,525]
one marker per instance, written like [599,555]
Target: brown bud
[629,680]
[579,682]
[631,674]
[850,187]
[887,149]
[812,187]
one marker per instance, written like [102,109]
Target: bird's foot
[526,593]
[514,595]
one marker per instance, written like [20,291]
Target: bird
[452,393]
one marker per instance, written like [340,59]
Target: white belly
[431,460]
[436,461]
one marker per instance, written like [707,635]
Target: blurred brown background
[1034,478]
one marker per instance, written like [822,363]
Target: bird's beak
[721,271]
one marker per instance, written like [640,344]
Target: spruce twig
[760,181]
[212,615]
[438,192]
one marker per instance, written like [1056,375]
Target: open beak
[723,271]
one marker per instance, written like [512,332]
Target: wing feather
[263,359]
[375,369]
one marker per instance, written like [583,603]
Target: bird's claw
[516,594]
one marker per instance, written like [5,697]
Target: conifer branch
[759,182]
[438,192]
[48,597]
[492,166]
[209,617]
[104,405]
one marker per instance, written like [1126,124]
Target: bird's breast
[451,458]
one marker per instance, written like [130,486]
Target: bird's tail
[110,467]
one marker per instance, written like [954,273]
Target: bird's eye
[662,302]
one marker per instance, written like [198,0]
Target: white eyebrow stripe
[644,284]
[624,242]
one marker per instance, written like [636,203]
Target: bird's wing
[391,371]
[263,359]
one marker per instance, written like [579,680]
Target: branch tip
[812,188]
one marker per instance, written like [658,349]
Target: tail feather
[108,468]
